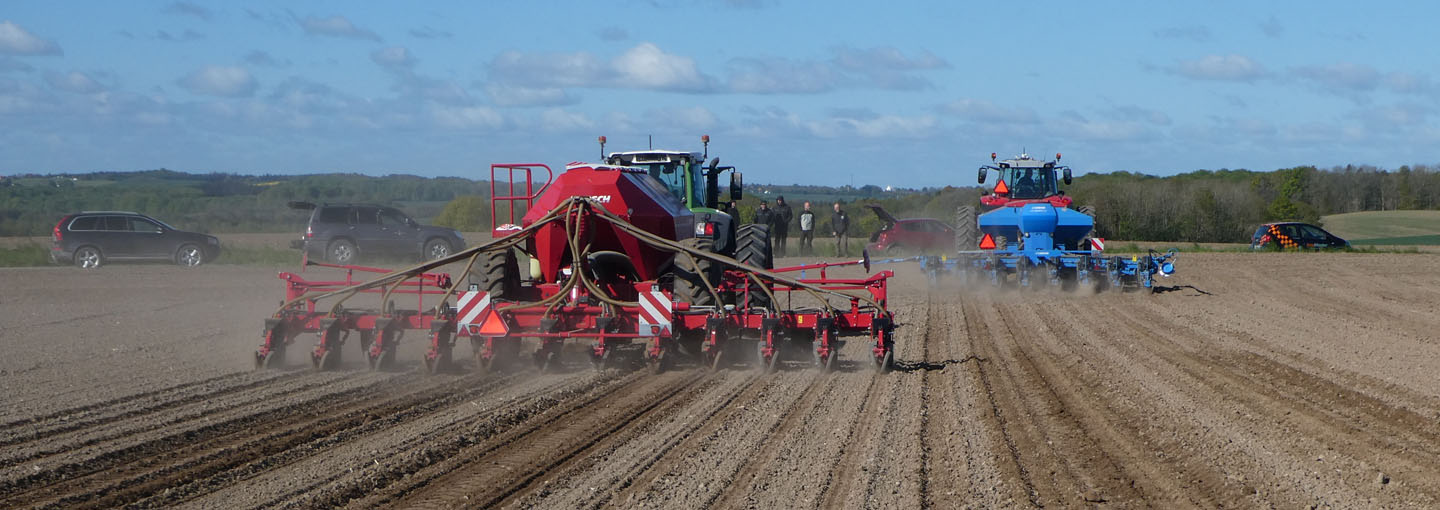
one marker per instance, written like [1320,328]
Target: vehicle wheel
[688,286]
[88,257]
[341,251]
[437,249]
[498,274]
[1088,210]
[189,255]
[752,248]
[967,231]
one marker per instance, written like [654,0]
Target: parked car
[922,235]
[92,238]
[1294,235]
[342,233]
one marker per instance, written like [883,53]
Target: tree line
[216,203]
[1199,206]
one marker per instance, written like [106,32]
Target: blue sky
[903,93]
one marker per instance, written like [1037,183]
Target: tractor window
[672,175]
[1030,182]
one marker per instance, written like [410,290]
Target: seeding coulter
[1030,236]
[614,262]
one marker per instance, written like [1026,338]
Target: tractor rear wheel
[967,236]
[689,286]
[1088,210]
[752,248]
[498,274]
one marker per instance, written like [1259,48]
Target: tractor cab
[687,177]
[1024,180]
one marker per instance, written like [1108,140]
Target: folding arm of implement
[611,312]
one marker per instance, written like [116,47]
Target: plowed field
[1272,380]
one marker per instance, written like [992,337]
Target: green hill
[1386,227]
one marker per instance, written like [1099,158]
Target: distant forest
[1200,206]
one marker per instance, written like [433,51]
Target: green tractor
[697,185]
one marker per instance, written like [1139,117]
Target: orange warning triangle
[493,325]
[1001,188]
[987,242]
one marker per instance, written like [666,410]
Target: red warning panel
[987,242]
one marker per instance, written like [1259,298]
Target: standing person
[763,215]
[780,229]
[807,230]
[840,227]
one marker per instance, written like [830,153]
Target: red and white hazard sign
[1097,244]
[477,317]
[655,313]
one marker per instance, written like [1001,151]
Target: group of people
[780,218]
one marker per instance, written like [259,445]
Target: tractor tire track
[120,475]
[487,474]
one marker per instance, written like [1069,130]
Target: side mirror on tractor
[736,185]
[982,175]
[1066,173]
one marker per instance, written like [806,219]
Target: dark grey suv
[91,238]
[342,233]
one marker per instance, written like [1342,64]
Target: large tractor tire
[752,248]
[1088,210]
[498,274]
[688,285]
[967,231]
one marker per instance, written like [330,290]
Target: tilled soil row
[1274,381]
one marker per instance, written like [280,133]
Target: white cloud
[466,118]
[427,32]
[335,26]
[555,119]
[1221,68]
[781,76]
[264,59]
[873,126]
[73,81]
[223,81]
[1342,77]
[12,65]
[884,58]
[506,95]
[186,36]
[645,66]
[393,57]
[682,119]
[15,40]
[1137,114]
[978,110]
[1409,83]
[651,68]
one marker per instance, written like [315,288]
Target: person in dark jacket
[840,227]
[780,228]
[763,215]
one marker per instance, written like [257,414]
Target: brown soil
[1277,380]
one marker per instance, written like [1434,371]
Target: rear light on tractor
[309,232]
[705,228]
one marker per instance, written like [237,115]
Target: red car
[913,235]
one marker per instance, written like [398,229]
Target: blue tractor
[1038,241]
